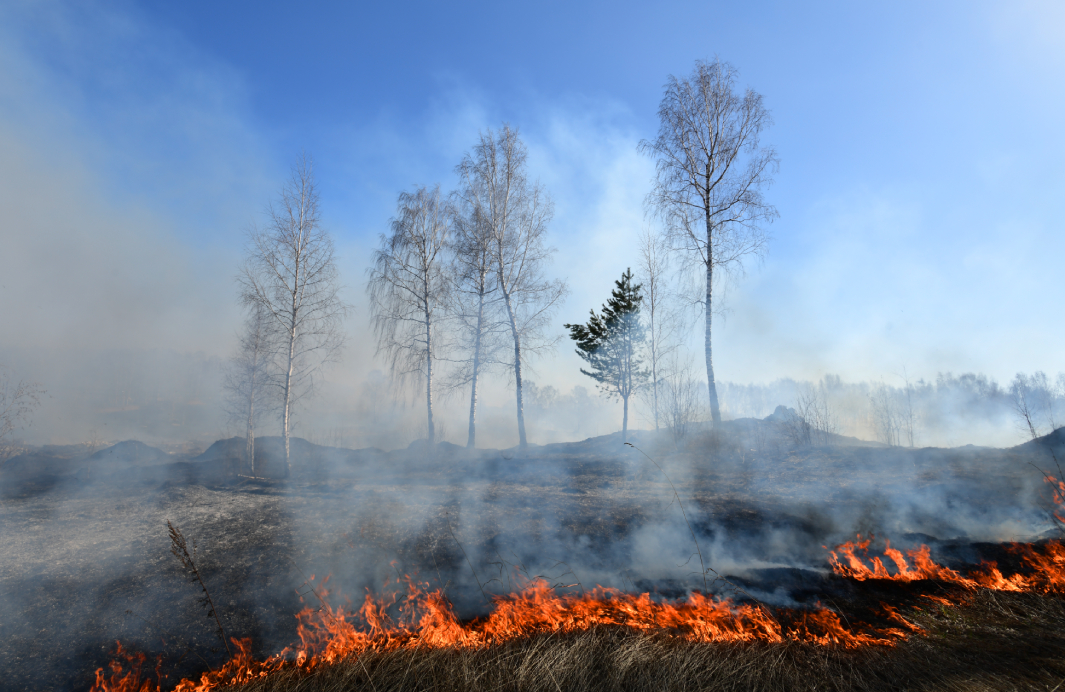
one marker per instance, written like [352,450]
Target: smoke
[743,501]
[127,184]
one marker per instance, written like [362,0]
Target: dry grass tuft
[180,548]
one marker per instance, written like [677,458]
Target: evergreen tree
[610,344]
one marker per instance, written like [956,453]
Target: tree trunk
[715,412]
[654,367]
[288,399]
[254,382]
[654,383]
[249,442]
[471,441]
[522,442]
[626,382]
[429,375]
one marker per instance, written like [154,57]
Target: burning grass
[994,641]
[1045,564]
[606,636]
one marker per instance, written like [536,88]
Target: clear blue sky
[920,187]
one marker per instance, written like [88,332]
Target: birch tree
[710,173]
[475,305]
[661,320]
[290,273]
[516,211]
[408,289]
[248,379]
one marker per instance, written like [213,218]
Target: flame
[938,599]
[893,614]
[126,678]
[1059,497]
[426,619]
[1046,562]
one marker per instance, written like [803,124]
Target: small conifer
[610,344]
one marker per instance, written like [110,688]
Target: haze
[919,191]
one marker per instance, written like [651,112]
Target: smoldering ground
[86,557]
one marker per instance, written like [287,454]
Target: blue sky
[920,186]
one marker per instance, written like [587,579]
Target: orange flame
[126,678]
[1047,564]
[427,620]
[1059,497]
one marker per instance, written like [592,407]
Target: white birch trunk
[288,397]
[654,382]
[429,372]
[522,441]
[715,412]
[471,441]
[249,442]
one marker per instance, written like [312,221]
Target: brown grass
[996,641]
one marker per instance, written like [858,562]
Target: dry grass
[995,642]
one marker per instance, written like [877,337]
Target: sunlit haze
[919,189]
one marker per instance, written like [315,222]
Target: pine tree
[610,344]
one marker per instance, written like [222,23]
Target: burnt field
[86,557]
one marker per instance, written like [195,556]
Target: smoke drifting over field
[895,308]
[90,533]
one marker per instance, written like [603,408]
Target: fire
[1046,562]
[1059,497]
[126,678]
[427,620]
[1048,565]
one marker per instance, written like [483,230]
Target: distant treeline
[954,409]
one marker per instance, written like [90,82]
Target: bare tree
[290,271]
[887,417]
[18,400]
[516,211]
[682,407]
[408,288]
[661,318]
[1033,399]
[710,173]
[814,421]
[248,381]
[476,307]
[907,412]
